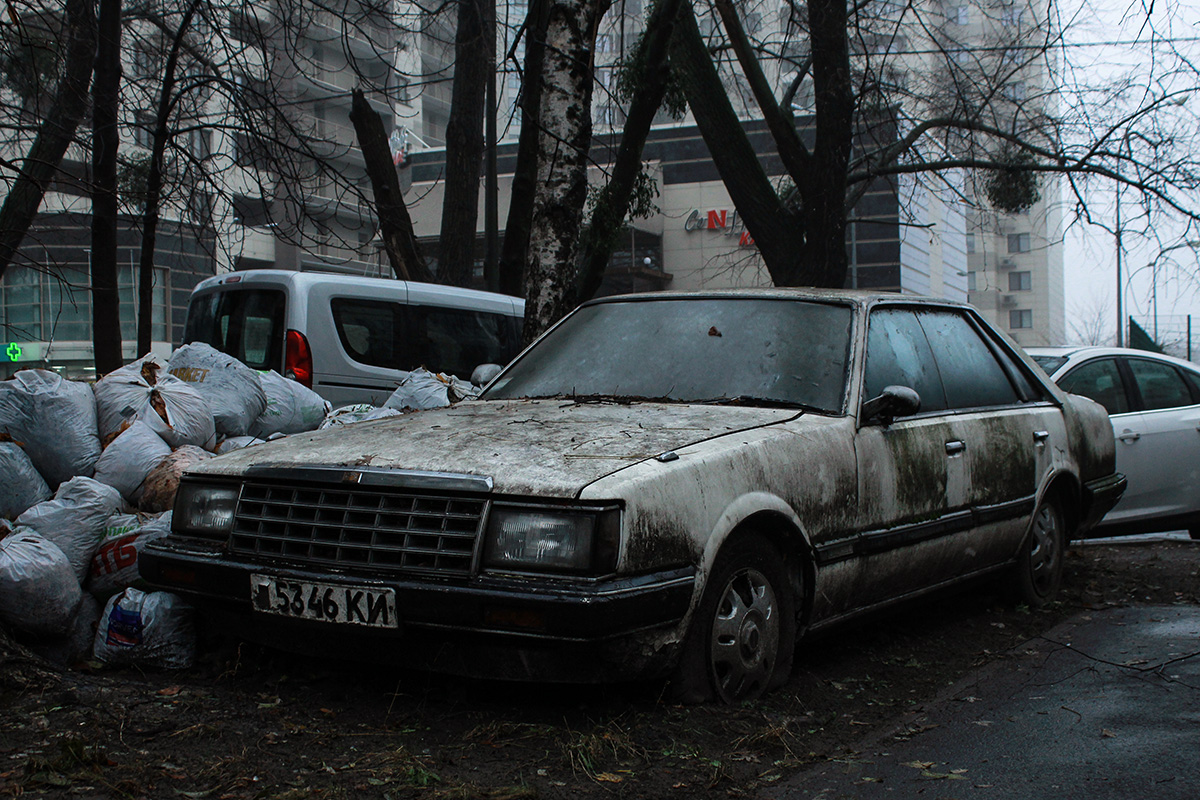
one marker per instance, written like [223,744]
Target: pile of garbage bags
[90,475]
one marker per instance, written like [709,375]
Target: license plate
[372,606]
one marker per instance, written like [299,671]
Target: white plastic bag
[114,567]
[154,629]
[55,419]
[144,390]
[232,389]
[231,443]
[39,592]
[75,519]
[291,407]
[360,412]
[422,389]
[21,485]
[158,492]
[128,459]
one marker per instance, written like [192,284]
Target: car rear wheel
[1194,533]
[743,634]
[1040,567]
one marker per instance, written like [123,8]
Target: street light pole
[1120,290]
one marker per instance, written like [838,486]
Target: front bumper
[506,627]
[1099,497]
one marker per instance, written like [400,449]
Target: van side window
[397,336]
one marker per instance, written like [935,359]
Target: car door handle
[1041,436]
[1129,436]
[954,448]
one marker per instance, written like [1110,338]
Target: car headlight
[204,510]
[582,541]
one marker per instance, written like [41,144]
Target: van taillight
[297,359]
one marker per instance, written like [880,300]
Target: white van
[350,337]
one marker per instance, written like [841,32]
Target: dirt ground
[252,723]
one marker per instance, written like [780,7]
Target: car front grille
[385,529]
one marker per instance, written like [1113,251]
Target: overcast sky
[1099,44]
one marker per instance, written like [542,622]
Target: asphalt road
[1104,707]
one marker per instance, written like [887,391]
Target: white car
[665,484]
[1154,403]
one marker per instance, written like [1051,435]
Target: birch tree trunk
[564,135]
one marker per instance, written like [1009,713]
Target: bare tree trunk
[464,147]
[106,314]
[395,224]
[565,134]
[154,184]
[520,207]
[55,133]
[777,232]
[613,203]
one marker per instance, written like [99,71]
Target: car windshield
[724,350]
[1049,363]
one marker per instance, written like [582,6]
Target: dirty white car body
[662,484]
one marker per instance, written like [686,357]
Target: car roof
[1075,354]
[295,278]
[858,297]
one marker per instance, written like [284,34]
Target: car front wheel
[743,633]
[1040,568]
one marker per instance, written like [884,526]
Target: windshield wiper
[751,400]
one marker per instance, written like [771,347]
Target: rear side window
[404,337]
[1098,380]
[244,323]
[1160,385]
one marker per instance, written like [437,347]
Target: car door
[1009,427]
[912,470]
[1159,446]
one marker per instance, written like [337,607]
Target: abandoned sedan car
[667,484]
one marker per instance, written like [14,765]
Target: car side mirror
[484,373]
[896,401]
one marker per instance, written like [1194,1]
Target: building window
[604,43]
[1018,243]
[1020,281]
[959,15]
[1015,91]
[970,243]
[971,282]
[1012,17]
[143,130]
[1020,318]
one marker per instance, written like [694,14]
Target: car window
[747,351]
[1049,363]
[1098,380]
[244,323]
[898,353]
[458,340]
[971,375]
[1160,385]
[399,336]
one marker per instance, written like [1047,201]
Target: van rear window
[244,323]
[398,336]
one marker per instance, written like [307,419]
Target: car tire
[1194,533]
[1039,568]
[742,636]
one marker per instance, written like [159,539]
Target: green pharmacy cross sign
[13,352]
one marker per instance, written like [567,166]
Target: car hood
[534,447]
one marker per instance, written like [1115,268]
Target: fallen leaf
[919,764]
[608,777]
[169,691]
[1107,734]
